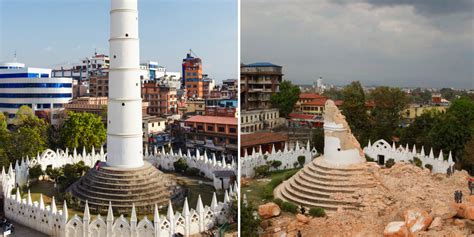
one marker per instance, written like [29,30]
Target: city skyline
[393,43]
[38,43]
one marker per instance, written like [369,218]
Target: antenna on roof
[14,56]
[95,51]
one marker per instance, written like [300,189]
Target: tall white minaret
[124,132]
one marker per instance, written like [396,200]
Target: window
[221,129]
[199,127]
[232,130]
[210,128]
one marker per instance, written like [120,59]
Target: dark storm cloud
[430,7]
[384,42]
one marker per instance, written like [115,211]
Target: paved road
[22,231]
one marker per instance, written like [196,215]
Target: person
[460,196]
[452,171]
[448,172]
[302,210]
[298,234]
[469,185]
[456,196]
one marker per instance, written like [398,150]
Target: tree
[3,122]
[389,103]
[355,111]
[333,94]
[29,135]
[54,173]
[83,130]
[4,139]
[286,98]
[35,172]
[467,159]
[454,128]
[418,132]
[22,114]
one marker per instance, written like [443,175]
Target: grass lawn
[254,189]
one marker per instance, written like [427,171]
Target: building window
[232,130]
[199,127]
[221,129]
[210,128]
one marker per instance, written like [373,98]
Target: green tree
[418,132]
[286,98]
[355,111]
[54,173]
[333,94]
[35,172]
[467,159]
[454,128]
[4,140]
[29,135]
[180,165]
[22,114]
[83,130]
[389,103]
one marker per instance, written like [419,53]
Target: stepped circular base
[320,184]
[144,187]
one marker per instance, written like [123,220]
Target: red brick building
[162,99]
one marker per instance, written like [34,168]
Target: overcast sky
[428,43]
[46,33]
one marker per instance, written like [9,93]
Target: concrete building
[34,87]
[162,99]
[84,69]
[195,107]
[257,120]
[208,85]
[99,85]
[212,133]
[192,77]
[258,81]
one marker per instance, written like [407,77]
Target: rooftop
[261,64]
[213,119]
[311,96]
[261,138]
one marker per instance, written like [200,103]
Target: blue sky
[46,33]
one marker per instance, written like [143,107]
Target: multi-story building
[99,85]
[256,120]
[208,85]
[195,107]
[152,71]
[162,99]
[212,133]
[192,77]
[258,81]
[83,70]
[34,87]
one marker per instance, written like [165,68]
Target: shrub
[276,163]
[390,163]
[289,207]
[317,212]
[192,171]
[265,157]
[295,164]
[301,160]
[428,166]
[262,170]
[290,173]
[418,162]
[35,172]
[368,158]
[278,201]
[180,165]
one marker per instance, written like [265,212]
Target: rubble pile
[407,201]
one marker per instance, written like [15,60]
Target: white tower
[124,132]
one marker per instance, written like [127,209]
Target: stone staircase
[318,182]
[144,187]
